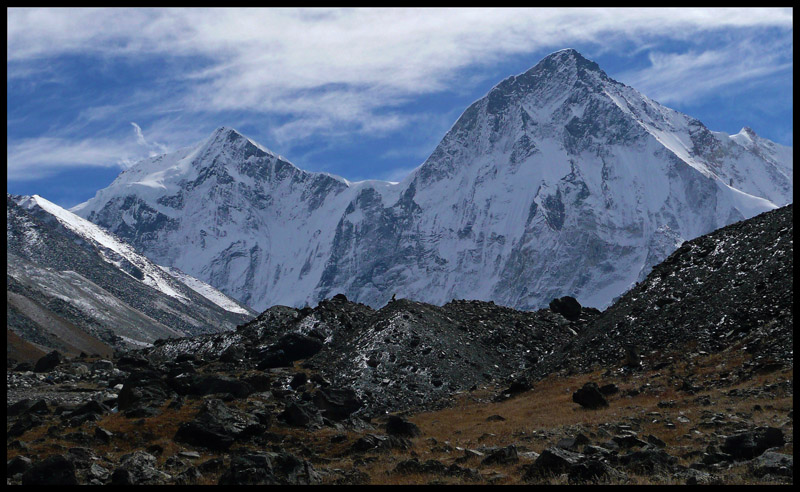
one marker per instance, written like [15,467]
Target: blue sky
[362,93]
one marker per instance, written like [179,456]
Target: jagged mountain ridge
[560,181]
[74,287]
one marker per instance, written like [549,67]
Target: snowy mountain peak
[568,57]
[559,181]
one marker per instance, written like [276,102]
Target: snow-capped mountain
[72,283]
[560,181]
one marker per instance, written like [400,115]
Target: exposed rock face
[559,182]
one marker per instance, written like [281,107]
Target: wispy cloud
[686,77]
[36,158]
[346,69]
[154,148]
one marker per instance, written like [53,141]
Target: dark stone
[750,444]
[17,464]
[572,443]
[27,405]
[567,306]
[299,415]
[217,427]
[627,441]
[53,470]
[48,362]
[396,426]
[552,461]
[592,470]
[259,382]
[103,435]
[772,463]
[138,468]
[371,442]
[503,456]
[233,354]
[299,379]
[23,424]
[141,394]
[413,466]
[250,469]
[24,367]
[590,396]
[131,361]
[212,465]
[90,407]
[336,404]
[289,348]
[609,389]
[648,461]
[201,385]
[291,470]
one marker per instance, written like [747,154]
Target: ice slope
[560,181]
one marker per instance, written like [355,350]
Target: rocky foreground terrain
[687,378]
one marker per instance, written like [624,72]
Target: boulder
[566,306]
[138,468]
[28,405]
[750,444]
[501,456]
[589,396]
[17,464]
[593,470]
[400,427]
[648,461]
[372,442]
[300,415]
[289,348]
[53,470]
[336,404]
[250,469]
[48,362]
[552,461]
[772,463]
[217,426]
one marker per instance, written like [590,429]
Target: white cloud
[331,70]
[154,148]
[689,76]
[37,158]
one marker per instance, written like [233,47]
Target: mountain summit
[560,181]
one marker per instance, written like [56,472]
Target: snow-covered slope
[560,181]
[70,274]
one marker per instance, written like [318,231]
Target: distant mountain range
[75,287]
[560,181]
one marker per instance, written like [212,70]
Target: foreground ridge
[328,394]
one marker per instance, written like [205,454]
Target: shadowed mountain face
[74,288]
[560,181]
